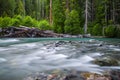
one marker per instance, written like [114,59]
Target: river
[24,56]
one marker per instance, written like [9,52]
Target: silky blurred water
[23,56]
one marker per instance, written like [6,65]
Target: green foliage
[7,7]
[110,31]
[90,30]
[1,21]
[5,22]
[117,33]
[58,16]
[20,8]
[44,25]
[72,25]
[67,15]
[97,30]
[19,17]
[28,21]
[17,20]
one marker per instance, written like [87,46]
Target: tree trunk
[50,12]
[24,8]
[113,12]
[105,14]
[67,4]
[86,16]
[42,8]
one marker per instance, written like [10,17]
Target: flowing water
[24,56]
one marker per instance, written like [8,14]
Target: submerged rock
[56,75]
[76,75]
[87,35]
[73,77]
[106,62]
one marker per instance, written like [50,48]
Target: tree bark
[86,16]
[67,4]
[50,12]
[24,8]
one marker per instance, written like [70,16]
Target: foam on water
[2,60]
[42,56]
[25,45]
[97,54]
[85,59]
[116,49]
[8,40]
[2,49]
[56,57]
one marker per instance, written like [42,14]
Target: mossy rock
[107,62]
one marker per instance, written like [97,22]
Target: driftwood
[22,31]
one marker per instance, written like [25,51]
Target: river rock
[76,75]
[107,62]
[87,35]
[73,77]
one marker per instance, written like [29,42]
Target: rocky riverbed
[59,59]
[75,75]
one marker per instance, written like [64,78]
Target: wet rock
[76,75]
[94,76]
[107,62]
[73,77]
[115,74]
[59,43]
[87,35]
[57,75]
[0,30]
[66,35]
[41,76]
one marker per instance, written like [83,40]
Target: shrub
[44,25]
[5,22]
[35,23]
[28,21]
[1,21]
[19,17]
[58,29]
[15,22]
[97,30]
[110,31]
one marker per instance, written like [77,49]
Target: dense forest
[97,17]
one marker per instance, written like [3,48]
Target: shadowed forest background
[97,17]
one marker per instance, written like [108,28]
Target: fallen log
[13,32]
[23,31]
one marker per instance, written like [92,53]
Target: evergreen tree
[58,16]
[72,25]
[7,7]
[20,8]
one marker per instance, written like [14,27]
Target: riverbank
[26,32]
